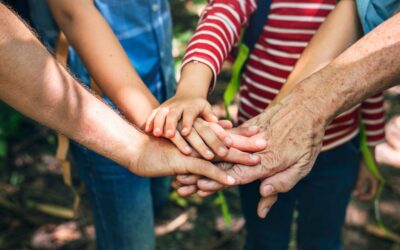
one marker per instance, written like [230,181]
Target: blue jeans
[320,199]
[122,202]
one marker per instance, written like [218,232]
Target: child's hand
[244,138]
[164,120]
[366,185]
[210,139]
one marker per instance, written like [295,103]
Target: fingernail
[169,132]
[230,180]
[188,149]
[253,128]
[254,157]
[264,212]
[222,151]
[268,190]
[228,141]
[261,142]
[209,153]
[185,131]
[157,131]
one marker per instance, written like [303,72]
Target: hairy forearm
[104,57]
[369,66]
[33,83]
[340,30]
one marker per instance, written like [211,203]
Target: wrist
[135,151]
[318,95]
[195,80]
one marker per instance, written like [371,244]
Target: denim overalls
[122,202]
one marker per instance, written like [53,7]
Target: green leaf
[224,208]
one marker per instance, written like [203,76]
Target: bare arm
[340,30]
[104,57]
[371,65]
[33,83]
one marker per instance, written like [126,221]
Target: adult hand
[294,133]
[244,139]
[158,157]
[389,152]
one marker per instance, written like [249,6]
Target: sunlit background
[35,205]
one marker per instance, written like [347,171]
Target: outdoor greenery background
[30,176]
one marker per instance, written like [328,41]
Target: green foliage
[221,201]
[178,200]
[10,124]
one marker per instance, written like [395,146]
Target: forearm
[195,80]
[340,30]
[104,57]
[218,31]
[33,83]
[366,68]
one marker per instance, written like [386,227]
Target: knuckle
[271,161]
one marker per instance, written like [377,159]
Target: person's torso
[144,30]
[288,29]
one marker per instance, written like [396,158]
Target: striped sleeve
[373,117]
[218,31]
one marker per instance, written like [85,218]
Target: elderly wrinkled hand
[294,136]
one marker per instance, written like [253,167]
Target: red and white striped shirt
[287,31]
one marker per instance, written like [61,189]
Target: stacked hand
[293,135]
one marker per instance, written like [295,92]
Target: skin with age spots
[366,68]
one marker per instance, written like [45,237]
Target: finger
[370,192]
[187,179]
[207,169]
[385,154]
[265,204]
[187,190]
[208,114]
[225,124]
[281,182]
[172,123]
[204,193]
[159,121]
[176,184]
[240,157]
[250,144]
[357,188]
[181,144]
[221,133]
[245,130]
[373,188]
[188,118]
[199,145]
[209,185]
[245,174]
[150,120]
[211,138]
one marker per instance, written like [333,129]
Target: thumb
[207,169]
[208,114]
[281,182]
[245,174]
